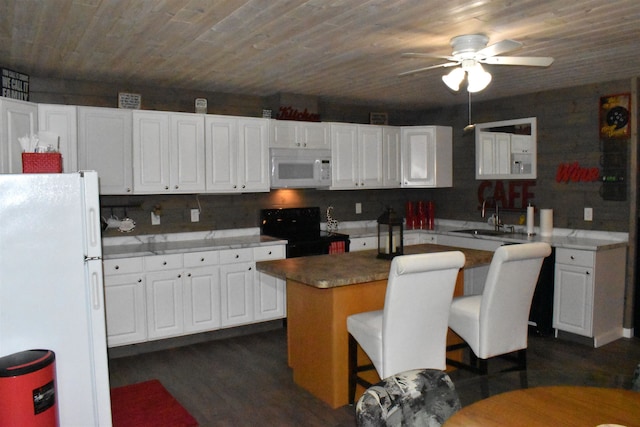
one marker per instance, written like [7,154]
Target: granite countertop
[593,240]
[163,244]
[329,271]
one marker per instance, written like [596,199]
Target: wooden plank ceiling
[345,50]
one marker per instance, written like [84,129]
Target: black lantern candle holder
[390,235]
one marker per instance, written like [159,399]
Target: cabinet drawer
[575,257]
[163,262]
[266,253]
[230,256]
[200,259]
[122,266]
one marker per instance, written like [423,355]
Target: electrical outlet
[588,214]
[358,208]
[195,215]
[155,219]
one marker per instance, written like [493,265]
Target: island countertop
[330,271]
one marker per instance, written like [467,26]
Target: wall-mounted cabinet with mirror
[506,149]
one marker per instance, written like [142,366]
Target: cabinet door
[494,154]
[17,119]
[344,156]
[125,309]
[253,155]
[62,120]
[370,156]
[427,156]
[236,281]
[105,145]
[573,299]
[391,175]
[151,151]
[187,160]
[202,299]
[284,134]
[221,149]
[269,296]
[314,135]
[165,316]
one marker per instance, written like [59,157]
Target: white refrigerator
[51,286]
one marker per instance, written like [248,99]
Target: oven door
[300,249]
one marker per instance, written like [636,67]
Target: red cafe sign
[516,195]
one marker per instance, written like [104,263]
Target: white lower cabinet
[589,293]
[363,243]
[236,280]
[201,296]
[154,297]
[125,301]
[269,291]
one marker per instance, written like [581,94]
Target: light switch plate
[588,214]
[155,219]
[358,208]
[195,215]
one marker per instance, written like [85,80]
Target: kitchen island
[322,291]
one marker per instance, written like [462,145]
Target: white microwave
[300,168]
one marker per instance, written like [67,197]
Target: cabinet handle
[139,280]
[117,267]
[269,252]
[189,275]
[202,259]
[179,276]
[249,268]
[166,187]
[235,186]
[237,256]
[587,273]
[572,257]
[176,187]
[164,262]
[243,186]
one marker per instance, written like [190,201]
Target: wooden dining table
[553,406]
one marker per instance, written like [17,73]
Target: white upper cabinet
[17,119]
[62,121]
[392,176]
[506,149]
[104,145]
[168,152]
[294,134]
[356,155]
[237,154]
[427,156]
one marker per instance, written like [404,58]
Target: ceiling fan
[469,52]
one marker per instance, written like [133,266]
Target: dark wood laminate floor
[245,381]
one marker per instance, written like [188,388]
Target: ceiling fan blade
[419,70]
[529,61]
[426,55]
[499,48]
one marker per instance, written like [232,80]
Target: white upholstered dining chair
[410,332]
[496,322]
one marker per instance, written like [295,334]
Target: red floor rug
[147,404]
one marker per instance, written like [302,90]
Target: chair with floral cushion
[421,397]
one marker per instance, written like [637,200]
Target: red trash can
[27,389]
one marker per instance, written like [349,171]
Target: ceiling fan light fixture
[478,78]
[454,78]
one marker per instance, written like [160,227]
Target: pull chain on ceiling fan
[469,52]
[470,126]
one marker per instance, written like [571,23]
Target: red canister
[410,214]
[421,221]
[431,215]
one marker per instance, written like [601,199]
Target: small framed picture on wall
[614,116]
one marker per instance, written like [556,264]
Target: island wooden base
[317,335]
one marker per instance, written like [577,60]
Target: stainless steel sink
[483,232]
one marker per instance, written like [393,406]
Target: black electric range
[301,228]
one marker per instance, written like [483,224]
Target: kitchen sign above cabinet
[506,149]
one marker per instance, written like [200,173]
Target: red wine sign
[575,173]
